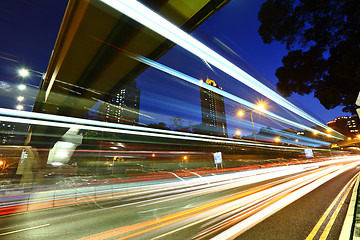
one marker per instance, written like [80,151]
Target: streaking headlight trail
[158,24]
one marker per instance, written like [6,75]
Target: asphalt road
[297,220]
[200,209]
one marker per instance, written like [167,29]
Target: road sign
[309,153]
[217,158]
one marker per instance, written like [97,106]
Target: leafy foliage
[324,39]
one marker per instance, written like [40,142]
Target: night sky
[29,30]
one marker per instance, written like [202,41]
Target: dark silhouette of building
[123,107]
[349,126]
[213,111]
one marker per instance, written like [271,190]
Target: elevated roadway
[88,61]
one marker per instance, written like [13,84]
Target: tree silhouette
[324,39]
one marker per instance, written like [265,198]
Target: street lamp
[277,139]
[23,72]
[260,107]
[238,132]
[22,87]
[153,155]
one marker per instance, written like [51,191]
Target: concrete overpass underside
[89,61]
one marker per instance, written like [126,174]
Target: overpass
[88,61]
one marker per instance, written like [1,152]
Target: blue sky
[30,29]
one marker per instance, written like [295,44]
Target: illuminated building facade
[349,126]
[123,107]
[213,111]
[12,133]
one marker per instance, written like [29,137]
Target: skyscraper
[213,111]
[123,107]
[349,126]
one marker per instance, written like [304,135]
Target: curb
[347,228]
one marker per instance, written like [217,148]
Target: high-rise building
[349,126]
[213,111]
[123,107]
[12,133]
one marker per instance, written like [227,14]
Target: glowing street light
[20,98]
[349,138]
[358,136]
[23,72]
[185,157]
[22,87]
[238,132]
[277,139]
[260,107]
[315,132]
[328,130]
[296,140]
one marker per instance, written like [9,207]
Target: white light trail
[189,136]
[246,224]
[192,80]
[72,120]
[158,24]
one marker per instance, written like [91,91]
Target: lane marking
[346,229]
[23,230]
[327,212]
[335,213]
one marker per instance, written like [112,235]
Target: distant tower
[123,107]
[213,111]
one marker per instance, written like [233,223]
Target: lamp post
[259,107]
[153,156]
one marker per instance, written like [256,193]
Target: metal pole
[112,172]
[252,121]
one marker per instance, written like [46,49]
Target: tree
[160,125]
[324,39]
[178,124]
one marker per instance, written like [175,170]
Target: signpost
[309,153]
[217,159]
